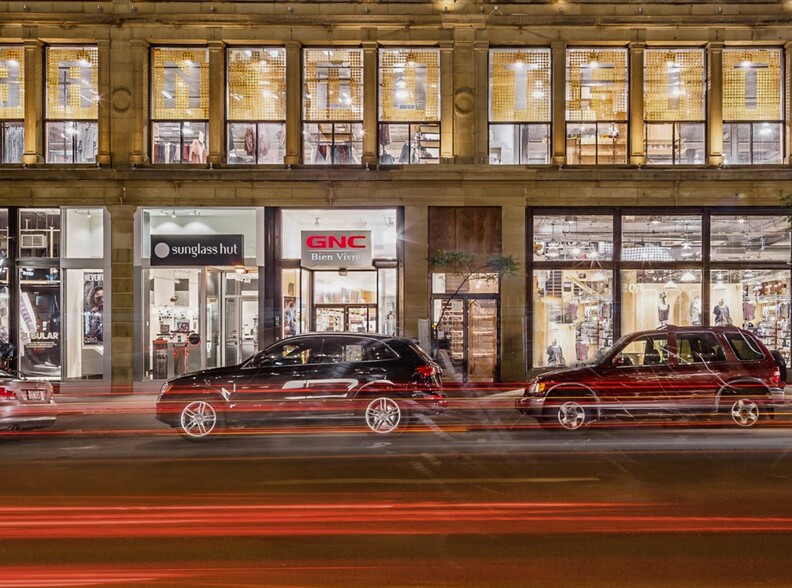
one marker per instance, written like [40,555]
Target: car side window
[644,351]
[378,351]
[287,353]
[744,347]
[699,348]
[341,349]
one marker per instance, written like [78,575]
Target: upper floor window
[409,106]
[753,111]
[596,106]
[72,104]
[332,106]
[12,104]
[179,104]
[674,103]
[256,131]
[519,106]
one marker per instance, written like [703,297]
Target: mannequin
[695,312]
[198,149]
[721,313]
[555,355]
[662,310]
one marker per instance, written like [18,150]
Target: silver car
[25,404]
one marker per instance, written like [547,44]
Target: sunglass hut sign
[197,250]
[336,249]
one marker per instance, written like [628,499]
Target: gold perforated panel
[257,84]
[597,88]
[180,83]
[752,84]
[333,84]
[12,82]
[519,85]
[674,81]
[72,83]
[409,85]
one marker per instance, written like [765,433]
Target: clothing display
[197,152]
[721,313]
[555,356]
[749,310]
[13,144]
[695,312]
[662,312]
[250,141]
[581,349]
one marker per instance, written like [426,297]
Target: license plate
[34,395]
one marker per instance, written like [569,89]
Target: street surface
[479,497]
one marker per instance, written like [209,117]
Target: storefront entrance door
[467,337]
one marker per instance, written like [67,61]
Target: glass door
[361,319]
[231,334]
[467,338]
[482,340]
[330,318]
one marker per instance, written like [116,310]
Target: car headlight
[164,390]
[537,388]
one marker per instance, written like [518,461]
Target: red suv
[684,371]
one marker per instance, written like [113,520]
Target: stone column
[464,97]
[481,52]
[122,327]
[103,148]
[446,102]
[293,103]
[787,103]
[139,107]
[559,101]
[512,295]
[217,93]
[34,111]
[415,268]
[370,110]
[715,103]
[637,142]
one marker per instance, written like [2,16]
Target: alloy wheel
[745,412]
[198,419]
[383,415]
[571,415]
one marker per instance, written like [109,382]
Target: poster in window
[289,316]
[93,308]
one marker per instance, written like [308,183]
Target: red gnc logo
[331,242]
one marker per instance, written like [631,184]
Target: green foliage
[456,261]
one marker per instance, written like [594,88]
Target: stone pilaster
[481,52]
[637,142]
[293,103]
[217,93]
[122,315]
[464,97]
[34,106]
[103,147]
[559,101]
[370,110]
[416,269]
[140,109]
[715,103]
[512,297]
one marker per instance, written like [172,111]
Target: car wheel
[567,413]
[384,415]
[199,420]
[743,411]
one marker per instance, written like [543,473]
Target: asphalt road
[111,498]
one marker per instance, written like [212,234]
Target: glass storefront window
[753,106]
[83,323]
[39,232]
[754,299]
[597,94]
[179,104]
[573,237]
[675,144]
[674,85]
[387,287]
[292,315]
[653,298]
[72,104]
[12,104]
[40,322]
[661,238]
[256,105]
[519,94]
[409,106]
[332,143]
[84,232]
[572,314]
[750,238]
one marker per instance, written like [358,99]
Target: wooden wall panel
[476,229]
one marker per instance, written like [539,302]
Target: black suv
[683,371]
[376,380]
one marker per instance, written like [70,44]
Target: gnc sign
[336,249]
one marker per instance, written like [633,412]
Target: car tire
[384,415]
[743,410]
[567,413]
[200,420]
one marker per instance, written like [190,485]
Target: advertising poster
[93,308]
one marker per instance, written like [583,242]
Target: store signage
[336,249]
[197,250]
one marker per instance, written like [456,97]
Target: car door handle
[370,371]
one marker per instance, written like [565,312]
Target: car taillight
[775,377]
[426,371]
[5,393]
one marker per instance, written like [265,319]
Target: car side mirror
[618,360]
